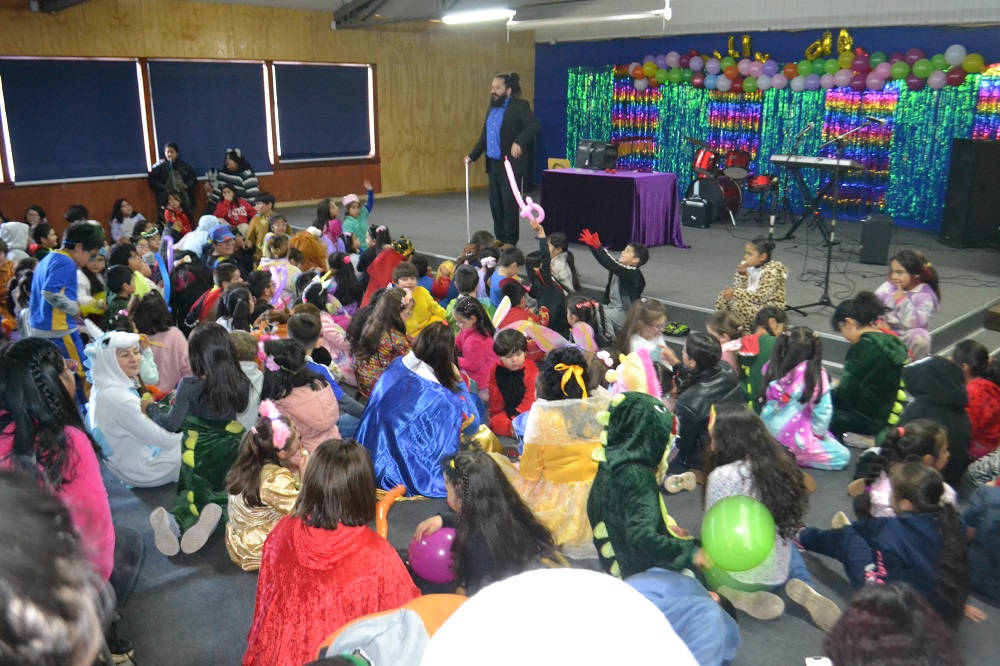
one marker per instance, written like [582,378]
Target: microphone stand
[783,185]
[828,236]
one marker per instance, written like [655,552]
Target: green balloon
[877,59]
[819,65]
[675,76]
[831,66]
[805,68]
[899,70]
[661,76]
[726,62]
[738,533]
[922,68]
[686,74]
[749,84]
[940,62]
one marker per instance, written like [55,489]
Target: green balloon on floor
[738,533]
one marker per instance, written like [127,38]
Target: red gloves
[591,239]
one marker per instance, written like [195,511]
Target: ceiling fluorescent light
[478,16]
[549,16]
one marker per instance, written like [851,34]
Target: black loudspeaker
[598,155]
[971,214]
[876,233]
[697,212]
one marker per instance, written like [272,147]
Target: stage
[689,280]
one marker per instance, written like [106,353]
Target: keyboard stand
[812,209]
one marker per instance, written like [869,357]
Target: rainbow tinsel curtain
[907,157]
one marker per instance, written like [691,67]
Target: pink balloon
[756,69]
[826,81]
[743,66]
[430,557]
[937,80]
[883,70]
[779,81]
[842,78]
[874,82]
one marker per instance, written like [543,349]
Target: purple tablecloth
[622,207]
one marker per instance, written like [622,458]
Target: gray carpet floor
[197,609]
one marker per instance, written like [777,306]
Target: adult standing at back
[173,175]
[509,126]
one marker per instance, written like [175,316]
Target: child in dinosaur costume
[632,530]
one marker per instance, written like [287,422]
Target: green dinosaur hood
[889,345]
[640,431]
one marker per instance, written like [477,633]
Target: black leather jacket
[720,385]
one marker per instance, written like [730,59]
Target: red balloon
[621,70]
[637,72]
[737,87]
[732,73]
[692,53]
[685,60]
[915,83]
[895,57]
[653,83]
[914,55]
[698,79]
[858,83]
[861,64]
[790,70]
[955,76]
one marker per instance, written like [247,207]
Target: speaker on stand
[876,235]
[971,216]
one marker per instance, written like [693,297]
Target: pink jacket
[172,358]
[84,496]
[315,414]
[477,357]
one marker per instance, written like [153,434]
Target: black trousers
[502,203]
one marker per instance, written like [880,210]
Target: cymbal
[697,142]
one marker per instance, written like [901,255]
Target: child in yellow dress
[557,465]
[263,484]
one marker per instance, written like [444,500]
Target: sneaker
[678,482]
[197,535]
[121,650]
[824,612]
[759,605]
[840,519]
[165,532]
[856,441]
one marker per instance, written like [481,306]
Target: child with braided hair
[496,535]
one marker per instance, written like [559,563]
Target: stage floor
[689,280]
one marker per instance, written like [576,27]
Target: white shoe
[823,611]
[197,535]
[678,482]
[760,605]
[856,441]
[165,531]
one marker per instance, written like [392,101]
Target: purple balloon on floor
[430,557]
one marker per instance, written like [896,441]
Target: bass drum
[723,192]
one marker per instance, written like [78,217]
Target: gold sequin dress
[249,526]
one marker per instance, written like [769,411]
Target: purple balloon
[812,82]
[842,78]
[649,58]
[937,80]
[661,62]
[756,69]
[430,557]
[743,66]
[713,66]
[884,70]
[697,63]
[895,57]
[915,83]
[770,68]
[684,61]
[779,81]
[874,82]
[826,81]
[914,55]
[858,82]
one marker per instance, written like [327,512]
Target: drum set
[721,178]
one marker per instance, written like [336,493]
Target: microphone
[805,130]
[873,119]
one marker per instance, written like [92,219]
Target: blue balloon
[710,80]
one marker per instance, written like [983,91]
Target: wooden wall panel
[433,80]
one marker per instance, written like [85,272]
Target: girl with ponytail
[912,295]
[924,545]
[982,381]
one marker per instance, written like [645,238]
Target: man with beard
[508,128]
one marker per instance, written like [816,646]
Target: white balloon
[724,83]
[798,84]
[641,84]
[955,54]
[763,82]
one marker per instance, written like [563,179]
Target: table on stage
[622,207]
